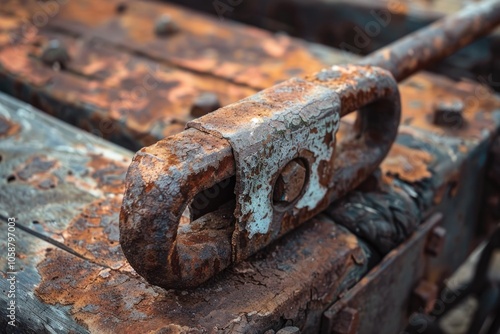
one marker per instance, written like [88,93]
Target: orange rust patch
[39,170]
[8,128]
[421,93]
[97,225]
[407,164]
[109,174]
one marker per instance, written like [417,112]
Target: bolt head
[54,53]
[204,104]
[449,113]
[165,26]
[290,182]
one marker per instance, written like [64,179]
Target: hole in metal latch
[11,178]
[290,184]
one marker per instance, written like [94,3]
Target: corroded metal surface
[399,271]
[104,294]
[262,149]
[166,170]
[290,283]
[127,84]
[424,47]
[361,26]
[99,292]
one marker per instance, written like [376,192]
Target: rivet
[204,104]
[165,26]
[55,54]
[449,113]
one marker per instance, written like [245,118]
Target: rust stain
[109,174]
[39,170]
[107,296]
[407,164]
[8,128]
[422,93]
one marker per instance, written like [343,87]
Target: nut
[449,113]
[290,182]
[54,53]
[204,104]
[165,25]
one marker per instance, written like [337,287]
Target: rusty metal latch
[280,145]
[297,121]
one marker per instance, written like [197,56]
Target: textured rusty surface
[98,291]
[125,83]
[275,288]
[398,271]
[261,150]
[166,168]
[294,280]
[361,27]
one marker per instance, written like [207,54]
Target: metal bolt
[424,296]
[54,53]
[121,8]
[290,182]
[449,113]
[346,321]
[204,104]
[435,241]
[165,25]
[289,330]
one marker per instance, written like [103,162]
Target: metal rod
[422,48]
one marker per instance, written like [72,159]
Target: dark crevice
[52,241]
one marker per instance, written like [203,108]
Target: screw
[423,296]
[165,25]
[290,182]
[289,330]
[435,241]
[346,321]
[204,104]
[54,54]
[449,113]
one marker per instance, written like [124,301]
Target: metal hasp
[187,181]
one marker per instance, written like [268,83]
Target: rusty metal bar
[441,39]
